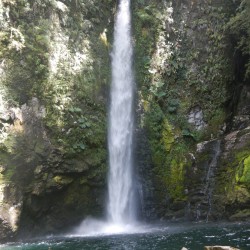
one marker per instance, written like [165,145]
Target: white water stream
[121,208]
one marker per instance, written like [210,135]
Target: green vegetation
[66,69]
[55,52]
[243,169]
[176,72]
[239,28]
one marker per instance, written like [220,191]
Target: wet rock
[220,248]
[232,201]
[11,202]
[174,216]
[178,205]
[5,231]
[242,117]
[235,141]
[240,121]
[241,215]
[200,180]
[230,140]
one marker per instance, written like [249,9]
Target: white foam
[92,227]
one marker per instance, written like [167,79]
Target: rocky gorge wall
[54,66]
[193,111]
[192,132]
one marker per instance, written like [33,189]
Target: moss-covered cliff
[54,66]
[190,76]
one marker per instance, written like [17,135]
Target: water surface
[172,237]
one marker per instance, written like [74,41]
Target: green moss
[243,173]
[10,167]
[81,199]
[62,180]
[96,156]
[240,156]
[216,121]
[8,174]
[235,179]
[28,73]
[45,177]
[176,180]
[83,181]
[167,135]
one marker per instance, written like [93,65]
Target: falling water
[121,208]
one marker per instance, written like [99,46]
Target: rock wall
[54,66]
[190,96]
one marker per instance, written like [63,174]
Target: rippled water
[173,237]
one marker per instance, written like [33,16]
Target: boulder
[220,248]
[195,117]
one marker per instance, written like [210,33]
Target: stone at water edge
[220,248]
[184,248]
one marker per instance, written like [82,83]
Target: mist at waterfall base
[193,236]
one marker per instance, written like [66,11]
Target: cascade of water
[121,208]
[210,181]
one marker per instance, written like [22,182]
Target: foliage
[239,28]
[243,175]
[181,62]
[38,32]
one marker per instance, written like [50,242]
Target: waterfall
[210,177]
[121,204]
[121,208]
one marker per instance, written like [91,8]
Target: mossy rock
[176,180]
[243,175]
[167,135]
[241,215]
[63,180]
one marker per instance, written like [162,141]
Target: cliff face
[193,112]
[54,75]
[193,115]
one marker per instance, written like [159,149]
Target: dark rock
[177,205]
[242,115]
[200,180]
[243,215]
[6,232]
